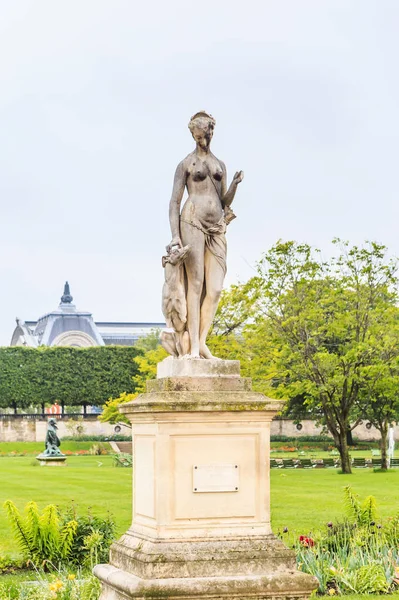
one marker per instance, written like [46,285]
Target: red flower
[306,541]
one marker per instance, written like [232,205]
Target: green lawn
[301,500]
[90,481]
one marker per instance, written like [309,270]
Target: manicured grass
[34,448]
[89,481]
[302,500]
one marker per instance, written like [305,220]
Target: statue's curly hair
[202,120]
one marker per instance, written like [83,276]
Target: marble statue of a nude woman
[198,247]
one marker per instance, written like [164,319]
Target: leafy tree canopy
[321,333]
[146,368]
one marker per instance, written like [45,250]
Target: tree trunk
[339,430]
[43,410]
[344,453]
[349,437]
[383,446]
[85,408]
[15,408]
[63,408]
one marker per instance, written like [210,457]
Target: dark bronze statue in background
[52,443]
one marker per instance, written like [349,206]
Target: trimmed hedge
[70,376]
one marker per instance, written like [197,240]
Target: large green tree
[379,398]
[324,323]
[235,335]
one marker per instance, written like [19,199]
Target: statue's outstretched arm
[174,206]
[228,196]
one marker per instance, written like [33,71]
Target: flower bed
[60,586]
[359,555]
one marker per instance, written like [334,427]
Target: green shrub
[301,438]
[52,538]
[8,564]
[367,579]
[83,546]
[41,538]
[98,438]
[122,459]
[361,513]
[355,572]
[98,449]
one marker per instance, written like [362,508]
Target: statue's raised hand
[238,177]
[176,241]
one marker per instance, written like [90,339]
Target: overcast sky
[95,97]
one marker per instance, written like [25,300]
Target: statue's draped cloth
[215,238]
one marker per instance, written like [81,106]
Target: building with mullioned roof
[68,326]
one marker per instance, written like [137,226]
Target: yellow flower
[71,576]
[57,585]
[331,592]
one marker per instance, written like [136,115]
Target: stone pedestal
[201,502]
[52,461]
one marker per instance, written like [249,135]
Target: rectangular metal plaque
[215,478]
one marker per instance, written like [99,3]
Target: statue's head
[53,423]
[201,126]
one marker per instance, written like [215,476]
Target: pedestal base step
[52,461]
[119,585]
